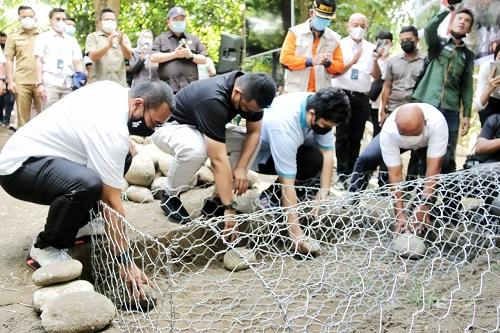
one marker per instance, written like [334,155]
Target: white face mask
[357,33]
[28,23]
[69,29]
[411,141]
[59,26]
[108,26]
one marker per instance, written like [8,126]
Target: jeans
[374,120]
[349,134]
[453,121]
[6,103]
[70,189]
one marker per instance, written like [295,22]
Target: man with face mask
[447,83]
[311,52]
[360,65]
[198,130]
[70,26]
[108,48]
[73,155]
[178,52]
[297,145]
[19,49]
[418,127]
[57,56]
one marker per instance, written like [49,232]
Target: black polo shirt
[490,131]
[207,105]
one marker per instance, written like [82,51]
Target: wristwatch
[232,205]
[191,58]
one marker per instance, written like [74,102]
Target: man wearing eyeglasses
[197,130]
[415,126]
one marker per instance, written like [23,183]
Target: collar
[451,41]
[56,34]
[23,31]
[303,111]
[101,32]
[420,55]
[170,34]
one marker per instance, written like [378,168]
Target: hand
[230,229]
[493,82]
[357,56]
[119,37]
[111,39]
[11,87]
[134,278]
[382,116]
[320,59]
[183,52]
[401,223]
[2,87]
[465,125]
[40,92]
[240,177]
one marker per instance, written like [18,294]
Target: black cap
[325,8]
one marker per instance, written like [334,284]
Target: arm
[136,62]
[487,146]
[384,99]
[337,62]
[77,65]
[396,177]
[40,89]
[427,196]
[115,230]
[94,53]
[431,36]
[10,51]
[288,57]
[200,55]
[289,199]
[125,45]
[77,58]
[466,93]
[249,145]
[354,60]
[326,173]
[376,72]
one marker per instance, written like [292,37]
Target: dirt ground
[20,221]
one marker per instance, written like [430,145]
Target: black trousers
[309,166]
[70,189]
[374,120]
[6,106]
[493,107]
[349,134]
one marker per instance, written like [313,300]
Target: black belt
[354,93]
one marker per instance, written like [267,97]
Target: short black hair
[259,87]
[154,94]
[384,34]
[69,18]
[56,10]
[468,12]
[104,11]
[330,104]
[24,8]
[3,34]
[495,53]
[411,29]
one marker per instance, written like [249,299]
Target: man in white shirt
[2,73]
[72,155]
[297,145]
[57,57]
[360,64]
[415,126]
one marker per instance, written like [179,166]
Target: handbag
[375,89]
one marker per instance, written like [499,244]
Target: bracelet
[124,257]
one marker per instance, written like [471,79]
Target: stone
[46,294]
[142,170]
[238,259]
[62,271]
[205,176]
[247,202]
[158,186]
[409,246]
[137,139]
[253,179]
[125,186]
[85,311]
[139,194]
[163,162]
[152,151]
[143,305]
[193,181]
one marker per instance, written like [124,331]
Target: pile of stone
[146,178]
[69,305]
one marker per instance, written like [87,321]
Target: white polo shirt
[57,53]
[2,58]
[284,130]
[88,127]
[434,136]
[358,77]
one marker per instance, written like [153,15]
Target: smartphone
[497,68]
[380,43]
[183,42]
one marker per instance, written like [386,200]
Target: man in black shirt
[488,143]
[197,130]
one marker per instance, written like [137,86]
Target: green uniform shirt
[447,82]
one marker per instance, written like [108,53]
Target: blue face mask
[178,26]
[320,24]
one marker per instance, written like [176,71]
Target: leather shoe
[173,209]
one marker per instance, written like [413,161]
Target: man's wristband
[327,63]
[309,62]
[191,58]
[124,257]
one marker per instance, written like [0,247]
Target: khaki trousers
[26,95]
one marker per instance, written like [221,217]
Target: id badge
[354,74]
[60,64]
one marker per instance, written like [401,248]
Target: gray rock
[158,186]
[205,176]
[238,259]
[142,170]
[46,294]
[125,186]
[139,194]
[409,246]
[79,312]
[163,162]
[58,272]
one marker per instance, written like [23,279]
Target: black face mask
[408,46]
[138,127]
[319,130]
[457,35]
[3,46]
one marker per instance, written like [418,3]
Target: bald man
[360,65]
[415,126]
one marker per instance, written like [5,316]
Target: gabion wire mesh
[359,282]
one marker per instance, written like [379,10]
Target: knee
[192,153]
[88,186]
[309,162]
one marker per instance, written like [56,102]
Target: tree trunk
[114,5]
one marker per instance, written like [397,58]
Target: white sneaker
[48,255]
[94,227]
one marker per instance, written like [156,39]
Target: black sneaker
[173,209]
[212,207]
